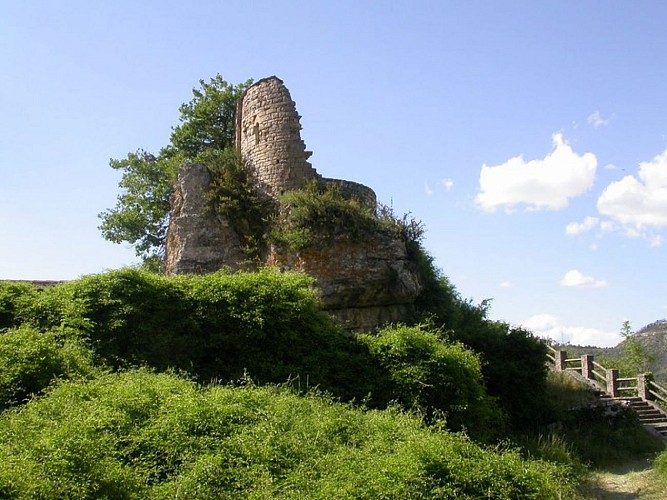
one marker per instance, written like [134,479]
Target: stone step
[657,420]
[653,420]
[649,413]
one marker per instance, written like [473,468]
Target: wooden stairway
[650,415]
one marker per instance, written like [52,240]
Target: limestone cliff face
[198,242]
[365,284]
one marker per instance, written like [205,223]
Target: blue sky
[529,137]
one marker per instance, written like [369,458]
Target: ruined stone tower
[268,133]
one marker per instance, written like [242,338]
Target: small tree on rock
[141,214]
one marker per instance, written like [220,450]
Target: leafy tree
[208,120]
[635,358]
[141,214]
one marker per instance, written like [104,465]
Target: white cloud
[655,240]
[575,228]
[607,226]
[427,190]
[548,183]
[597,121]
[506,284]
[639,203]
[548,326]
[577,279]
[448,184]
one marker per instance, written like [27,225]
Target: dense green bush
[31,360]
[433,376]
[14,297]
[214,326]
[513,359]
[143,435]
[266,325]
[219,326]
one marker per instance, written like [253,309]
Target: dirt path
[624,482]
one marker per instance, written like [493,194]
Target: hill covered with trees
[644,350]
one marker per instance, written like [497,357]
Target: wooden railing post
[612,384]
[559,360]
[587,366]
[643,382]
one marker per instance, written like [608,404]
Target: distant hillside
[652,337]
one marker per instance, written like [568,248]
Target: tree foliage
[140,216]
[635,358]
[233,195]
[434,376]
[513,359]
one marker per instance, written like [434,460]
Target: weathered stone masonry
[364,285]
[268,134]
[270,140]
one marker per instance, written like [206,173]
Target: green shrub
[217,326]
[14,297]
[32,360]
[316,214]
[127,314]
[433,376]
[268,325]
[513,360]
[233,194]
[143,435]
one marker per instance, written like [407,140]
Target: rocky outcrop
[198,241]
[365,284]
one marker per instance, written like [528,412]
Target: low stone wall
[351,190]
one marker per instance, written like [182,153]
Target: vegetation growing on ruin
[206,134]
[233,195]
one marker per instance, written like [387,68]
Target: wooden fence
[607,379]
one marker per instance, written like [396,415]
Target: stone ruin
[363,284]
